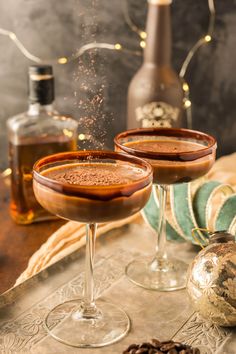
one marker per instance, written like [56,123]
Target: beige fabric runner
[67,239]
[71,236]
[224,170]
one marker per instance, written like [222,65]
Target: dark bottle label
[157,114]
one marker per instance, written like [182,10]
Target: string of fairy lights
[119,47]
[207,38]
[64,59]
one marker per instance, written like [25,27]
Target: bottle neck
[37,108]
[158,28]
[41,89]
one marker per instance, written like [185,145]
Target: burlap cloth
[71,236]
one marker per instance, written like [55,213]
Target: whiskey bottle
[33,134]
[155,95]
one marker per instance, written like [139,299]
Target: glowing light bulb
[185,87]
[118,46]
[187,104]
[143,35]
[62,60]
[207,38]
[142,44]
[81,137]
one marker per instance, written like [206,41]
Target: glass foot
[66,324]
[164,275]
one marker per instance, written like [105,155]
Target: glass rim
[168,132]
[87,190]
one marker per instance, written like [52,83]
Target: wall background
[52,28]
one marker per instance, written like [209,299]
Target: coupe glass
[91,187]
[177,156]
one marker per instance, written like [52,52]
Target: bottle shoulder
[16,119]
[24,119]
[42,124]
[151,81]
[151,72]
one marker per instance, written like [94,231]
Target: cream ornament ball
[211,280]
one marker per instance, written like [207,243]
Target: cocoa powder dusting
[167,146]
[104,175]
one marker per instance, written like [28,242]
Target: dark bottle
[155,95]
[33,134]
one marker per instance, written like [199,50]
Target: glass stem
[89,309]
[161,236]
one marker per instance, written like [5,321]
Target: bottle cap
[41,84]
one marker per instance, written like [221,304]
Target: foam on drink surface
[95,174]
[166,146]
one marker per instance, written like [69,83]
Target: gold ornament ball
[211,283]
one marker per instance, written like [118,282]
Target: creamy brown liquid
[171,172]
[94,192]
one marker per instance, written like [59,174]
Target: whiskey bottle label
[157,114]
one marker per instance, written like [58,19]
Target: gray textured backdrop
[51,28]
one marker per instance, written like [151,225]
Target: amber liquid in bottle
[24,207]
[155,95]
[38,132]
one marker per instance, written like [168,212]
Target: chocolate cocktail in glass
[177,156]
[91,187]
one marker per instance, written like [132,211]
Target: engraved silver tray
[153,314]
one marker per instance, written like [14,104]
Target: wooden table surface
[18,242]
